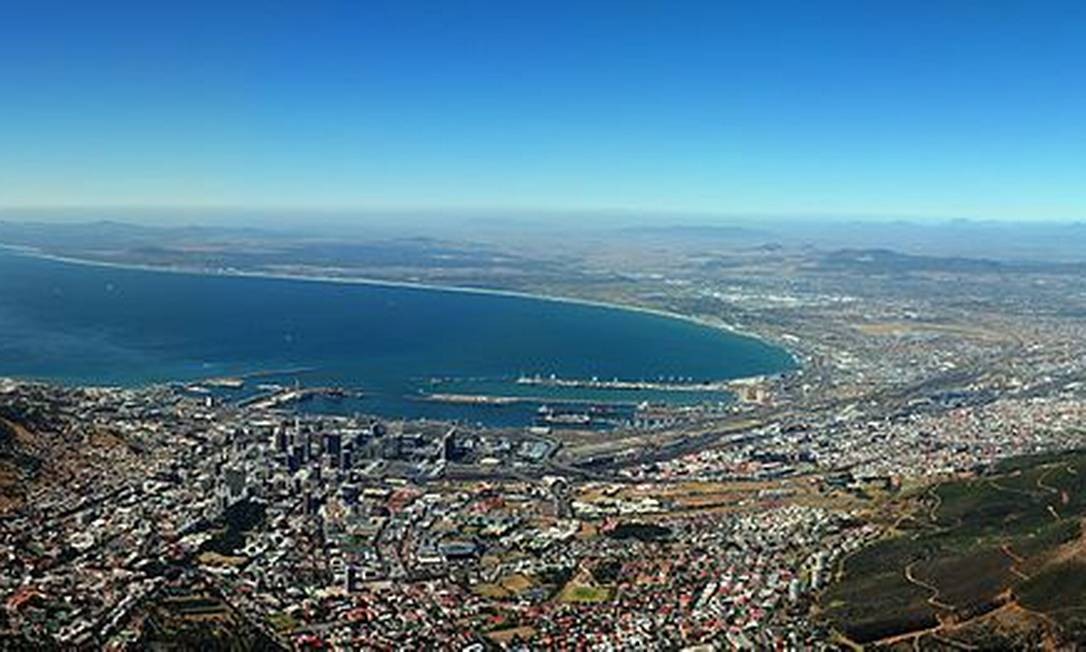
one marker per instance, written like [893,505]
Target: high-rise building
[332,445]
[448,446]
[346,458]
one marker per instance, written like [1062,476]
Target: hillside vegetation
[993,561]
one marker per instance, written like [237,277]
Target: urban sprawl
[171,513]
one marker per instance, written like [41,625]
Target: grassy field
[576,592]
[991,549]
[509,586]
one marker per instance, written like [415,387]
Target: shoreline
[794,359]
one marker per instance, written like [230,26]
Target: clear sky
[913,108]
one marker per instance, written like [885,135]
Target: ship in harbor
[580,417]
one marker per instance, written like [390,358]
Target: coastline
[794,359]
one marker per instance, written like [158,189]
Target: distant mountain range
[923,243]
[885,261]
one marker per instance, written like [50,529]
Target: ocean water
[83,324]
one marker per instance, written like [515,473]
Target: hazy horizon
[293,216]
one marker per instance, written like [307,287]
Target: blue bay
[85,324]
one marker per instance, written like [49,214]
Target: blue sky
[939,109]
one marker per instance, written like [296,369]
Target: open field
[899,329]
[578,591]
